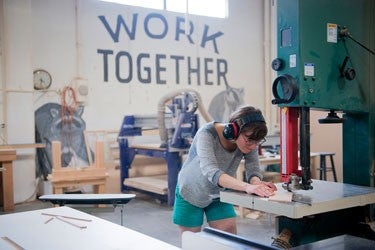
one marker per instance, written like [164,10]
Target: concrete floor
[148,216]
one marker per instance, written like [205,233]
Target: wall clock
[42,79]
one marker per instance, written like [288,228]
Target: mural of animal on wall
[225,103]
[52,125]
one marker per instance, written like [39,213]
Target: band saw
[326,62]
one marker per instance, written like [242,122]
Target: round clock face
[42,79]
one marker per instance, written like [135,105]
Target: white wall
[63,37]
[67,46]
[326,138]
[17,95]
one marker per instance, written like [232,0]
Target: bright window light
[177,6]
[211,8]
[153,4]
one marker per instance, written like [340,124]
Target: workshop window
[210,8]
[153,4]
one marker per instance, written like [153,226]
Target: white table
[92,199]
[33,230]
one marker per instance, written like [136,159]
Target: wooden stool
[323,166]
[62,178]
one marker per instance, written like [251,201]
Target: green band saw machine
[325,61]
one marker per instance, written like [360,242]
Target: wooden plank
[7,155]
[7,152]
[56,155]
[7,186]
[22,146]
[55,180]
[70,173]
[7,192]
[85,136]
[281,195]
[155,184]
[64,184]
[148,169]
[99,154]
[150,146]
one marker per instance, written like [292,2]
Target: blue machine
[179,124]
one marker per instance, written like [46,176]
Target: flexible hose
[161,111]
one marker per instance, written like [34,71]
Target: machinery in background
[177,123]
[326,62]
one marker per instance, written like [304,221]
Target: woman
[212,162]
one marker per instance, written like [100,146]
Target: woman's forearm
[258,187]
[230,182]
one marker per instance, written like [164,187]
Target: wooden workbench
[22,146]
[7,156]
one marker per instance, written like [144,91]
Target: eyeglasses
[252,142]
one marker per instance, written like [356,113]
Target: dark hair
[259,129]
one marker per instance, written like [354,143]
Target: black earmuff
[232,130]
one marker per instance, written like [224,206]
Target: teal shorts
[188,215]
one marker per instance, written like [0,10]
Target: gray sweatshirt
[206,161]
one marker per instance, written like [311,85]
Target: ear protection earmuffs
[232,130]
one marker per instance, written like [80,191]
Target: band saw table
[325,196]
[334,210]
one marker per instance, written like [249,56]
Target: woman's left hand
[270,185]
[257,181]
